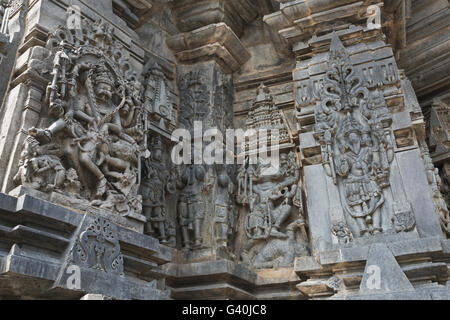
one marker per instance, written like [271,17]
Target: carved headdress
[101,74]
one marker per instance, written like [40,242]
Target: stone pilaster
[208,51]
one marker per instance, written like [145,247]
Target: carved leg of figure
[197,232]
[196,212]
[72,154]
[221,234]
[363,229]
[282,215]
[60,176]
[148,227]
[245,255]
[117,163]
[186,238]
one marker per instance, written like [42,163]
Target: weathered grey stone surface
[94,207]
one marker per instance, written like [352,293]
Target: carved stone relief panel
[360,128]
[98,247]
[274,224]
[205,205]
[353,128]
[89,155]
[157,185]
[159,98]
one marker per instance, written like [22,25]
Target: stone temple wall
[94,95]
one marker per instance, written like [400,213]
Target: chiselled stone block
[352,205]
[216,41]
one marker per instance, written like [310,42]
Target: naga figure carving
[353,128]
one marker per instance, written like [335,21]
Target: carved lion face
[103,92]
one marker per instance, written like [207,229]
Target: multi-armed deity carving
[275,224]
[97,135]
[353,128]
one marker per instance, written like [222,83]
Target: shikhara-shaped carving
[264,115]
[97,132]
[352,126]
[98,248]
[275,233]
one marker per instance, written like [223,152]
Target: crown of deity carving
[157,70]
[32,142]
[101,74]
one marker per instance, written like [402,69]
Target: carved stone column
[362,139]
[208,51]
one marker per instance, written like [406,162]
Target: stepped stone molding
[93,205]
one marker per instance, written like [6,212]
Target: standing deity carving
[353,129]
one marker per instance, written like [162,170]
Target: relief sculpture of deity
[97,131]
[155,185]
